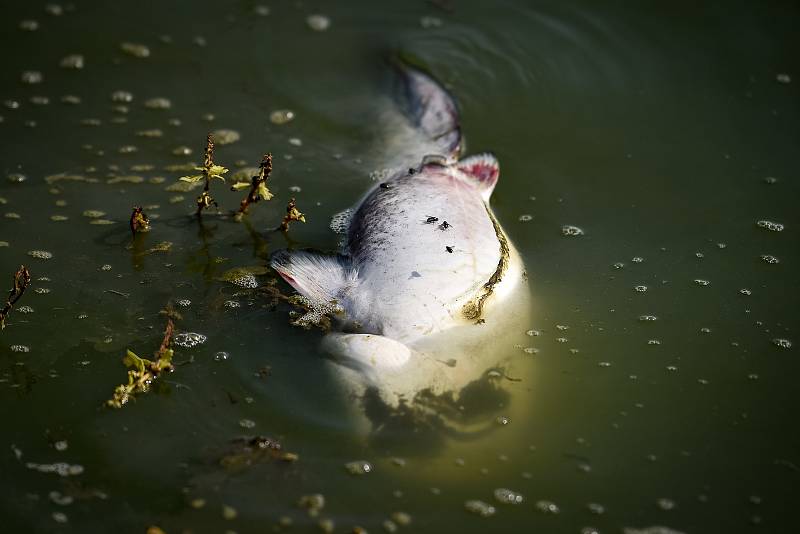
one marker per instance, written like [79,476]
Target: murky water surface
[649,178]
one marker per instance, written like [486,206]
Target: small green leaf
[192,179]
[132,360]
[238,186]
[263,192]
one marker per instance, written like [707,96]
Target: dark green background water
[652,128]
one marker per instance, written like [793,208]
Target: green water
[654,129]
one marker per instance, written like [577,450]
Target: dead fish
[407,302]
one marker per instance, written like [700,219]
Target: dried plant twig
[22,279]
[258,186]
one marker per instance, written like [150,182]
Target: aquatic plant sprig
[208,171]
[292,214]
[145,371]
[139,222]
[22,279]
[258,186]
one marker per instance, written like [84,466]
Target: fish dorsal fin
[320,278]
[484,170]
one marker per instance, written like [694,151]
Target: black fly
[444,226]
[449,249]
[431,219]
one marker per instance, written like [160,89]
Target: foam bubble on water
[637,259]
[647,318]
[525,217]
[569,230]
[232,304]
[189,339]
[247,423]
[745,291]
[60,468]
[158,103]
[768,258]
[72,61]
[19,348]
[122,96]
[618,265]
[665,504]
[221,356]
[653,342]
[28,25]
[25,309]
[135,49]
[547,507]
[318,23]
[480,508]
[782,77]
[183,303]
[281,116]
[40,254]
[533,333]
[32,77]
[507,496]
[340,222]
[225,136]
[640,289]
[595,508]
[701,282]
[782,343]
[245,280]
[358,467]
[770,225]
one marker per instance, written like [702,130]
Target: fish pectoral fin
[319,277]
[484,170]
[366,352]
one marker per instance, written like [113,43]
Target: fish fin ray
[483,169]
[321,278]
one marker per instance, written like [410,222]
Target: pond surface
[658,377]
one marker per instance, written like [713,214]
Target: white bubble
[318,22]
[358,467]
[547,507]
[525,217]
[770,225]
[782,343]
[189,339]
[507,496]
[571,231]
[480,508]
[768,258]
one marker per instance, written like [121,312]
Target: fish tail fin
[431,109]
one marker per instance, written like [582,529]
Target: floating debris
[281,116]
[93,214]
[480,508]
[318,23]
[136,50]
[571,231]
